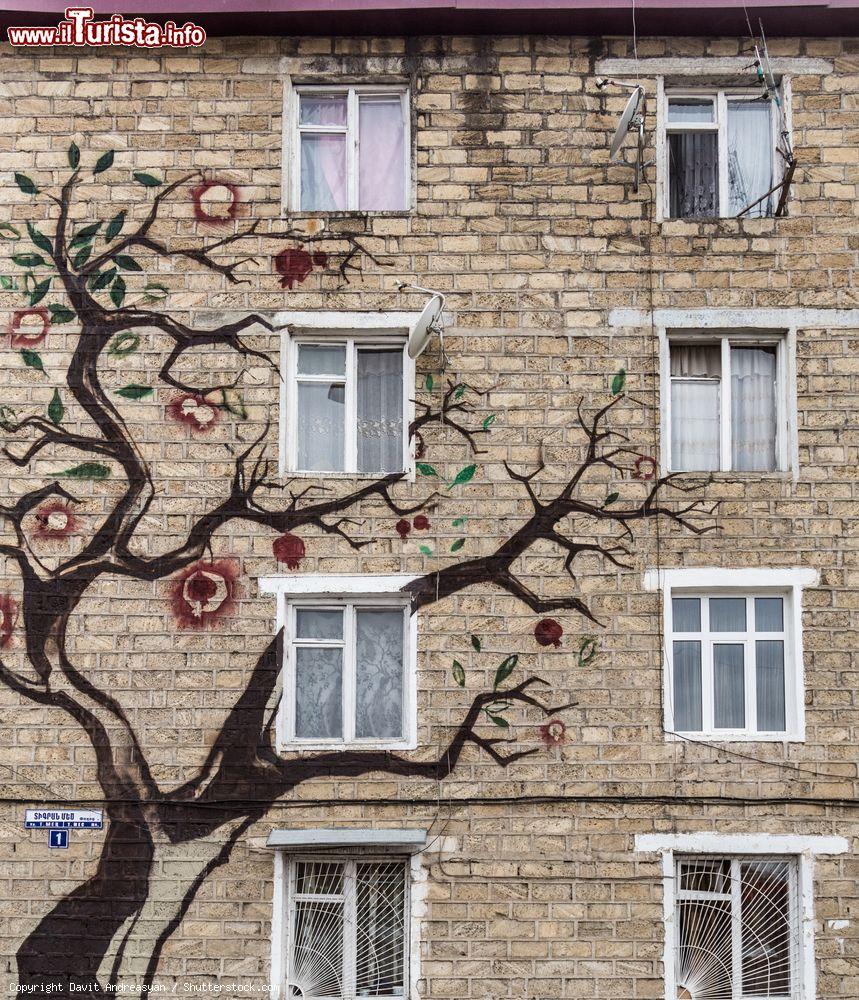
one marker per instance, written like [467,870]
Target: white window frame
[353,330]
[803,848]
[720,96]
[784,341]
[341,845]
[292,143]
[721,582]
[337,592]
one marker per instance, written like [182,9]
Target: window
[719,154]
[726,403]
[350,149]
[737,928]
[346,404]
[346,928]
[731,663]
[348,670]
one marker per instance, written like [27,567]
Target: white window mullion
[736,931]
[289,652]
[722,152]
[351,404]
[350,933]
[349,674]
[352,149]
[708,707]
[750,668]
[725,407]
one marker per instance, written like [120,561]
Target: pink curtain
[381,169]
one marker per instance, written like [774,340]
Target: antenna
[632,120]
[429,321]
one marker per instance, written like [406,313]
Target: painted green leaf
[231,401]
[39,291]
[127,263]
[59,314]
[618,382]
[427,551]
[102,279]
[458,523]
[505,669]
[74,156]
[458,673]
[426,470]
[9,232]
[117,291]
[114,227]
[87,233]
[82,256]
[25,184]
[86,470]
[28,259]
[134,391]
[123,344]
[39,239]
[8,417]
[104,162]
[499,721]
[488,421]
[475,642]
[7,283]
[610,499]
[32,359]
[147,180]
[429,383]
[460,392]
[56,408]
[587,650]
[457,545]
[154,292]
[463,476]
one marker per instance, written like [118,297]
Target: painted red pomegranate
[29,327]
[195,411]
[403,528]
[204,592]
[293,265]
[421,522]
[215,201]
[548,632]
[644,467]
[55,519]
[288,549]
[8,617]
[553,732]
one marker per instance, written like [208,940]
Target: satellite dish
[425,325]
[627,122]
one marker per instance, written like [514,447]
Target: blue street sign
[58,838]
[63,819]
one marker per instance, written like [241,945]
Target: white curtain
[769,662]
[381,156]
[318,693]
[379,674]
[321,426]
[687,686]
[750,157]
[380,411]
[695,406]
[729,685]
[753,408]
[323,172]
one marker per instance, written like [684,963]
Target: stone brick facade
[556,277]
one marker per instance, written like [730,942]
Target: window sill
[405,475]
[724,736]
[727,476]
[302,748]
[728,223]
[351,213]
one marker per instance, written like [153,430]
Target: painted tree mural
[70,272]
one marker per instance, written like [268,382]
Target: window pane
[380,944]
[729,686]
[727,614]
[696,360]
[769,614]
[687,686]
[380,411]
[313,623]
[322,109]
[318,693]
[695,426]
[750,157]
[321,421]
[766,934]
[314,359]
[323,172]
[321,878]
[706,875]
[703,961]
[753,408]
[686,614]
[381,164]
[379,674]
[769,658]
[681,109]
[693,189]
[316,952]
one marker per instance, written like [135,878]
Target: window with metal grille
[736,923]
[347,923]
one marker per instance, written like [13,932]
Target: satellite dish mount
[632,120]
[430,321]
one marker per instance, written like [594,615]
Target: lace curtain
[750,157]
[753,409]
[379,674]
[380,411]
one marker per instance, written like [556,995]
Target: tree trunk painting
[81,273]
